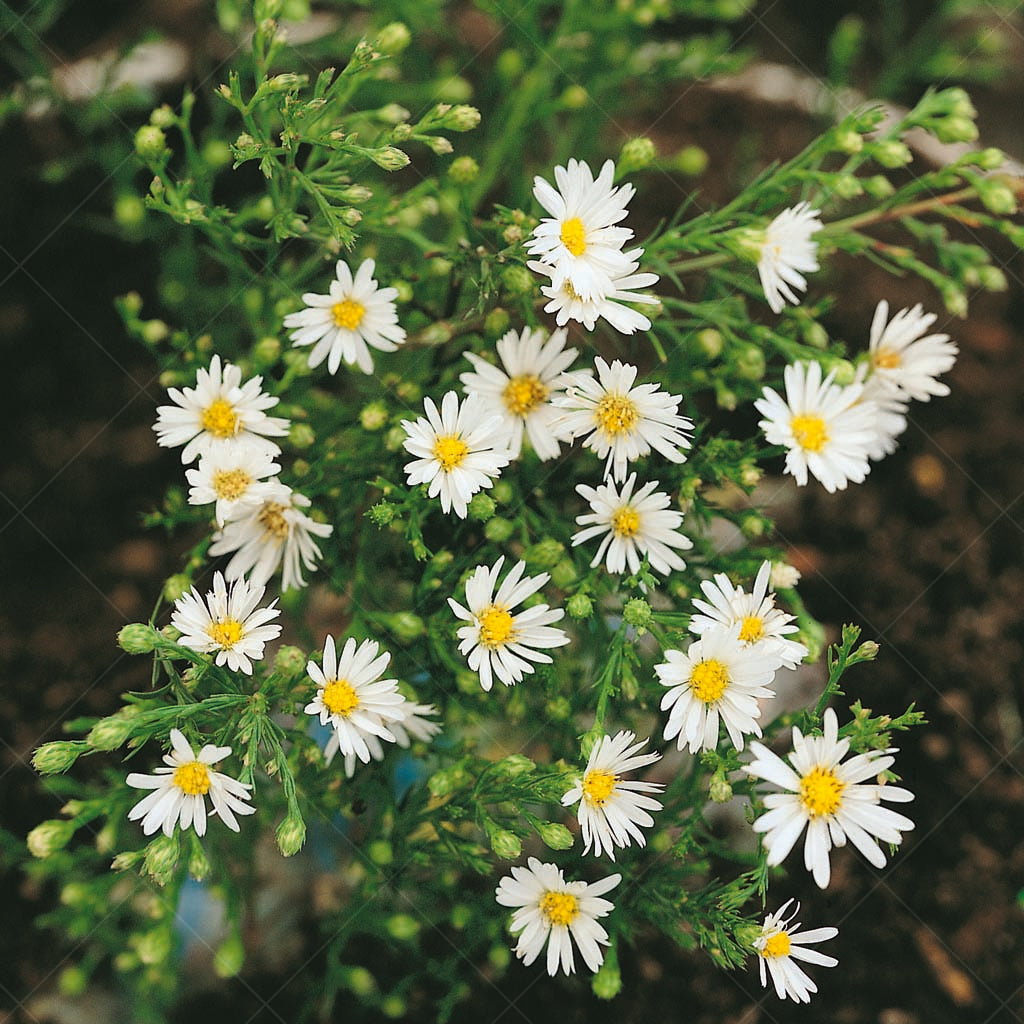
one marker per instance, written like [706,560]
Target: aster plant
[524,521]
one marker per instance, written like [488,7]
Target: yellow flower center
[616,414]
[559,907]
[230,484]
[272,520]
[886,359]
[193,778]
[574,236]
[227,632]
[219,419]
[497,627]
[708,680]
[340,697]
[809,432]
[752,629]
[598,785]
[450,451]
[570,292]
[523,394]
[777,945]
[626,522]
[348,314]
[821,792]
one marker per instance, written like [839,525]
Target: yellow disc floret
[340,697]
[598,785]
[574,236]
[752,629]
[708,680]
[886,359]
[626,522]
[523,394]
[821,791]
[777,945]
[616,414]
[559,907]
[219,419]
[230,484]
[809,432]
[193,779]
[348,314]
[226,632]
[497,626]
[272,520]
[450,451]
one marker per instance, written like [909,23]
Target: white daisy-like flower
[904,359]
[717,679]
[621,421]
[754,615]
[353,698]
[780,944]
[890,408]
[180,790]
[228,622]
[567,304]
[828,429]
[234,475]
[611,810]
[522,388]
[786,249]
[265,536]
[579,241]
[415,726]
[353,317]
[459,449]
[634,526]
[830,798]
[549,909]
[219,408]
[496,641]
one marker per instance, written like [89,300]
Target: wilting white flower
[621,421]
[219,408]
[634,526]
[579,241]
[496,642]
[228,622]
[612,810]
[415,726]
[784,576]
[264,536]
[180,790]
[828,429]
[352,697]
[903,359]
[460,449]
[829,798]
[355,313]
[549,909]
[785,251]
[234,475]
[522,388]
[780,944]
[717,679]
[567,304]
[754,615]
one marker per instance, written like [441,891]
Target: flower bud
[710,342]
[291,834]
[230,956]
[389,158]
[579,607]
[868,650]
[892,153]
[607,982]
[563,574]
[382,513]
[750,363]
[49,838]
[513,234]
[719,790]
[162,858]
[407,626]
[991,159]
[747,935]
[691,161]
[512,766]
[954,129]
[373,416]
[393,113]
[496,323]
[783,576]
[996,196]
[360,981]
[301,436]
[464,170]
[198,862]
[878,186]
[402,927]
[544,554]
[505,844]
[575,97]
[555,836]
[154,331]
[56,757]
[499,529]
[461,118]
[992,279]
[129,211]
[518,281]
[380,852]
[162,117]
[848,141]
[111,732]
[482,507]
[290,661]
[636,153]
[638,613]
[150,142]
[393,38]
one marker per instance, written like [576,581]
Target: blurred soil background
[926,556]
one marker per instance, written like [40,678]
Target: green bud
[544,554]
[636,154]
[49,838]
[992,279]
[111,732]
[518,281]
[380,852]
[892,153]
[361,982]
[389,159]
[382,513]
[393,38]
[750,363]
[814,334]
[996,196]
[154,331]
[437,333]
[461,118]
[123,861]
[499,529]
[638,613]
[407,626]
[266,351]
[230,956]
[845,372]
[129,211]
[393,1006]
[747,935]
[579,607]
[291,834]
[460,916]
[198,863]
[464,170]
[509,64]
[289,661]
[75,894]
[878,186]
[710,342]
[502,491]
[447,780]
[991,159]
[720,790]
[607,982]
[162,858]
[163,117]
[868,650]
[848,141]
[150,142]
[954,129]
[394,439]
[131,303]
[496,323]
[505,844]
[403,132]
[402,927]
[575,97]
[555,836]
[56,757]
[512,767]
[301,436]
[847,186]
[393,113]
[513,234]
[373,416]
[499,957]
[955,298]
[691,161]
[286,82]
[563,574]
[481,507]
[72,981]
